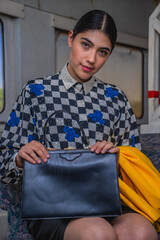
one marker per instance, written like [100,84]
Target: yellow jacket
[140,184]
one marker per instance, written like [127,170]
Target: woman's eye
[85,45]
[103,53]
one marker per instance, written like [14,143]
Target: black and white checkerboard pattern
[33,108]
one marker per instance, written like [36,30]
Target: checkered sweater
[104,113]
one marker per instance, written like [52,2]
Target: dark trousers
[48,229]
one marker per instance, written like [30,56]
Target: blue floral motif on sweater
[36,89]
[10,146]
[97,117]
[111,93]
[14,120]
[31,137]
[70,133]
[133,141]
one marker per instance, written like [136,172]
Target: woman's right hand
[32,152]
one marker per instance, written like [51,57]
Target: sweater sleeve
[19,130]
[126,130]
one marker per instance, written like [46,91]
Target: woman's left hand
[103,147]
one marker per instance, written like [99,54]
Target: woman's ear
[70,38]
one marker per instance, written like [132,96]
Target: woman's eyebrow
[86,39]
[89,41]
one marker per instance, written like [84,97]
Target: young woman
[102,109]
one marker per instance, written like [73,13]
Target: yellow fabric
[140,187]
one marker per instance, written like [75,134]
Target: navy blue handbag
[72,184]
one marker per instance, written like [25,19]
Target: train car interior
[33,43]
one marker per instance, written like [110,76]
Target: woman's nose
[91,57]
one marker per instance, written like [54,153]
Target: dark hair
[97,20]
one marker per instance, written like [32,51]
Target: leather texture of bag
[72,184]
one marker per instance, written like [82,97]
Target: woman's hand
[103,147]
[32,152]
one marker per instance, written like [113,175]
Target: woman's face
[89,51]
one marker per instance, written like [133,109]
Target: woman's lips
[87,69]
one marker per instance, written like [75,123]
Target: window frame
[153,125]
[3,62]
[9,13]
[9,66]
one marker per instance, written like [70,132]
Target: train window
[62,49]
[124,68]
[1,69]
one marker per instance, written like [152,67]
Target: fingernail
[45,159]
[39,161]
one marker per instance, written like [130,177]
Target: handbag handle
[86,140]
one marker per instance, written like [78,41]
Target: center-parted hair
[97,20]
